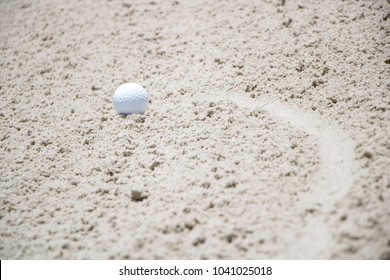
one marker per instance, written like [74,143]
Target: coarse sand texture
[266,133]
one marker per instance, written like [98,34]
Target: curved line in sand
[333,180]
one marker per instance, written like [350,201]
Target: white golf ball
[130,98]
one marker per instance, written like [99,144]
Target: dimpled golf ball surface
[130,98]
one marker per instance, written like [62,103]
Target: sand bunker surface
[267,135]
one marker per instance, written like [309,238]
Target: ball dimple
[130,98]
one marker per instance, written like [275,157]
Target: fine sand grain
[267,134]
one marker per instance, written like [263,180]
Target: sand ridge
[332,181]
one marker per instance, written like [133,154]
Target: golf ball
[130,98]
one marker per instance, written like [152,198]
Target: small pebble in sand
[367,154]
[231,184]
[138,195]
[198,241]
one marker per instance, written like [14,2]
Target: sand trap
[267,135]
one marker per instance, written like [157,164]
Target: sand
[266,137]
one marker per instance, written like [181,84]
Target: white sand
[267,136]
